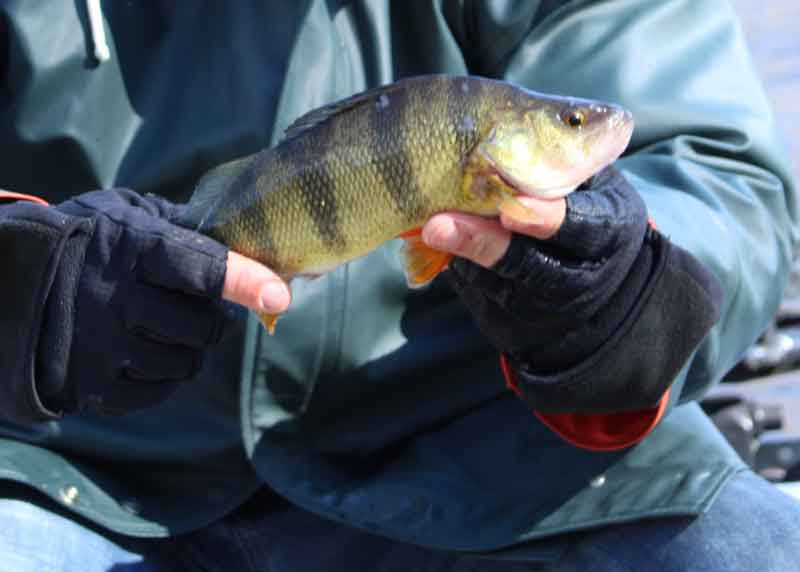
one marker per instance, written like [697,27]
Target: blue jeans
[751,526]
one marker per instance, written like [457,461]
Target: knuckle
[487,248]
[235,285]
[478,247]
[249,286]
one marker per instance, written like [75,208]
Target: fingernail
[274,297]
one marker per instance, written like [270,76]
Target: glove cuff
[36,239]
[634,368]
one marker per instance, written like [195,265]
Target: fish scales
[319,190]
[393,156]
[384,169]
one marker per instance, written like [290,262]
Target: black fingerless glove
[122,301]
[602,316]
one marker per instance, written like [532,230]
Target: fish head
[551,145]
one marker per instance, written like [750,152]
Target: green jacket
[373,405]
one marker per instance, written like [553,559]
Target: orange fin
[512,208]
[414,232]
[421,263]
[269,321]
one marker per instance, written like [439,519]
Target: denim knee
[751,526]
[35,540]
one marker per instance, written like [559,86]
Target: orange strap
[8,195]
[596,431]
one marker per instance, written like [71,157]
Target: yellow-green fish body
[352,175]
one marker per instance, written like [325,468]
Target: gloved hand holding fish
[352,175]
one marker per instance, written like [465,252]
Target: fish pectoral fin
[269,321]
[512,208]
[421,263]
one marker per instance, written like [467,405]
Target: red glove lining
[596,431]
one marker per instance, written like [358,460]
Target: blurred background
[758,409]
[772,28]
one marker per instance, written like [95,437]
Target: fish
[354,174]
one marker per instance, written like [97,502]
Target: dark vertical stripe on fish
[250,234]
[256,232]
[391,147]
[233,198]
[317,186]
[459,94]
[455,92]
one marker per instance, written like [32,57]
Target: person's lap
[752,526]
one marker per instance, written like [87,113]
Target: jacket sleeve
[705,155]
[34,240]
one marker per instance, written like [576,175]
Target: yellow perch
[376,166]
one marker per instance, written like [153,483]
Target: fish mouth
[614,143]
[522,188]
[619,136]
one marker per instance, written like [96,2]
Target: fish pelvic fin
[421,263]
[269,321]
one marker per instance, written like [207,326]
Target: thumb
[481,240]
[254,285]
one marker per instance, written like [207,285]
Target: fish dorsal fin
[322,114]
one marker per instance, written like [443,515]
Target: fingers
[154,361]
[484,240]
[255,286]
[602,219]
[549,216]
[172,318]
[481,240]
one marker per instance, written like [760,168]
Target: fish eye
[574,118]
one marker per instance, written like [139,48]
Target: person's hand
[532,286]
[254,286]
[135,303]
[591,286]
[485,241]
